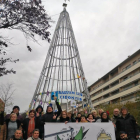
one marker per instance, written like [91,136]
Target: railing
[119,83]
[119,92]
[116,75]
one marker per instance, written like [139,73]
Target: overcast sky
[106,31]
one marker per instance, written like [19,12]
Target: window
[106,96]
[125,78]
[136,83]
[127,67]
[134,62]
[123,69]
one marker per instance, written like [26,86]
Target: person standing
[9,127]
[71,117]
[104,118]
[16,110]
[50,116]
[116,115]
[35,135]
[127,123]
[100,111]
[29,124]
[90,118]
[78,118]
[17,135]
[83,119]
[64,117]
[95,115]
[39,110]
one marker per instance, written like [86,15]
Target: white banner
[70,95]
[79,131]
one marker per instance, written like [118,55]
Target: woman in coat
[127,123]
[104,118]
[9,127]
[95,115]
[90,118]
[64,117]
[29,124]
[83,119]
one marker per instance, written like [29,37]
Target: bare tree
[6,94]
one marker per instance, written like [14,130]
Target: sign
[73,103]
[70,95]
[54,94]
[79,131]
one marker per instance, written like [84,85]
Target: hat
[16,107]
[39,107]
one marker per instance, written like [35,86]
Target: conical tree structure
[62,70]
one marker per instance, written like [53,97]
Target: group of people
[14,127]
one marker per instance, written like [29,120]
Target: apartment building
[118,85]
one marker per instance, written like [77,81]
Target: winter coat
[25,126]
[31,138]
[96,118]
[64,119]
[114,119]
[84,122]
[4,129]
[2,118]
[48,117]
[19,117]
[15,138]
[41,126]
[92,121]
[72,119]
[99,120]
[77,118]
[128,125]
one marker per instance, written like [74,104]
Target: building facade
[120,84]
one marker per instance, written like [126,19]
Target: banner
[70,95]
[79,131]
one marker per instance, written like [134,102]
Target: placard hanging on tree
[70,95]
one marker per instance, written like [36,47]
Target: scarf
[31,127]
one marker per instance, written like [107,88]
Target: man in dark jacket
[127,123]
[18,135]
[50,116]
[16,110]
[116,115]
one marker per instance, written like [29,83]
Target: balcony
[120,94]
[123,83]
[125,72]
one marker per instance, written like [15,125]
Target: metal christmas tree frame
[62,70]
